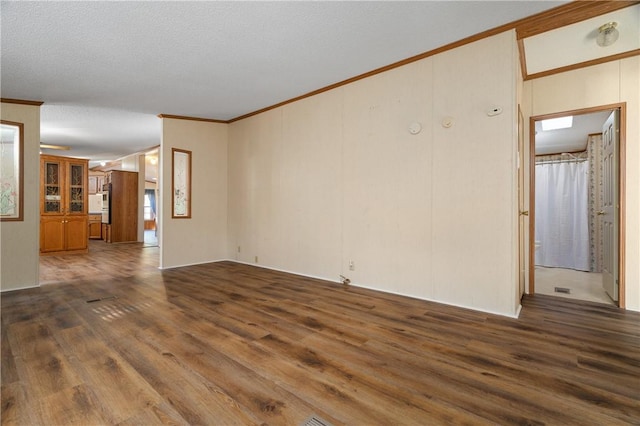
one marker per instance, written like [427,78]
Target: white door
[610,206]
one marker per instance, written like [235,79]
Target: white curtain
[562,219]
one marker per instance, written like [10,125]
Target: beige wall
[594,86]
[19,241]
[337,177]
[203,238]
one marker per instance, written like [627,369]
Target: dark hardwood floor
[225,343]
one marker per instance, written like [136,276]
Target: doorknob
[600,213]
[524,213]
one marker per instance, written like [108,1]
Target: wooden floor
[224,344]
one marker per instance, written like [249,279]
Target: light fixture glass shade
[607,34]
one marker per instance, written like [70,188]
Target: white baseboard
[163,268]
[19,288]
[515,315]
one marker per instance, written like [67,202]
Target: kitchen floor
[581,285]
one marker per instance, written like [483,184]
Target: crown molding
[183,117]
[557,17]
[20,102]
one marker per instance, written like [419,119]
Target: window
[148,213]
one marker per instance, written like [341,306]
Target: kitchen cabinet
[106,233]
[95,184]
[95,227]
[63,204]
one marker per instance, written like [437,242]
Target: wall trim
[286,271]
[445,48]
[442,302]
[567,14]
[164,268]
[20,288]
[352,284]
[21,102]
[557,17]
[585,64]
[183,117]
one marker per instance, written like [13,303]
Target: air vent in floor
[315,421]
[100,299]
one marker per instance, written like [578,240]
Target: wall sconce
[607,34]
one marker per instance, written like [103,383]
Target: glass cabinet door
[53,203]
[77,188]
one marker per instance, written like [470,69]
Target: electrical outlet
[256,259]
[238,249]
[352,265]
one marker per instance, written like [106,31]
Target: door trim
[622,107]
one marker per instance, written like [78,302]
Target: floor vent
[100,299]
[315,421]
[562,290]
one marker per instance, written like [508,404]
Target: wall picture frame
[180,183]
[11,171]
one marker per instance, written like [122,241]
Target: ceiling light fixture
[607,34]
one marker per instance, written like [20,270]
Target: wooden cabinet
[123,206]
[63,204]
[105,234]
[95,227]
[95,184]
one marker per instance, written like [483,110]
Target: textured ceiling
[106,69]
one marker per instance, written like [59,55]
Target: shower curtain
[562,219]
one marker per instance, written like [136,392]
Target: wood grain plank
[39,360]
[227,343]
[16,409]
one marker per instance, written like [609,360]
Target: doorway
[576,204]
[150,213]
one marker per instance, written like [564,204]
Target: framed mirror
[11,171]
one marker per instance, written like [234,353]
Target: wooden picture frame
[11,171]
[180,184]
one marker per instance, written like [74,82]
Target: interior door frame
[622,107]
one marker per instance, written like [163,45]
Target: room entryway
[575,204]
[150,238]
[102,262]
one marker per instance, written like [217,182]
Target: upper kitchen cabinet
[95,183]
[63,204]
